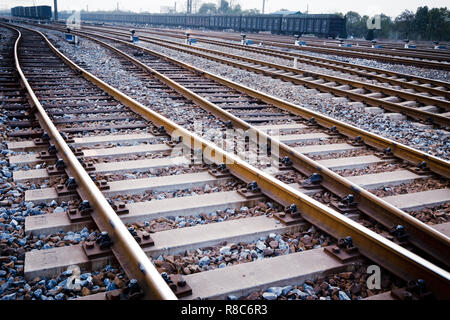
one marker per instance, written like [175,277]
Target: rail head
[126,249]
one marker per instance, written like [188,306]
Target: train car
[197,21]
[34,12]
[44,12]
[322,25]
[270,23]
[226,22]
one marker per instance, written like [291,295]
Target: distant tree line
[426,24]
[224,8]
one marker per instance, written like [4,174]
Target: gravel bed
[434,215]
[111,132]
[158,172]
[412,187]
[321,141]
[264,207]
[373,168]
[349,285]
[229,185]
[345,154]
[153,141]
[141,156]
[228,254]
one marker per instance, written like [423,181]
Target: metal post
[243,42]
[264,4]
[55,8]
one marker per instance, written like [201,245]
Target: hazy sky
[389,7]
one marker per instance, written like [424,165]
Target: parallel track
[436,61]
[392,98]
[374,246]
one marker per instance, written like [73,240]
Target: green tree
[387,27]
[353,23]
[207,8]
[438,24]
[404,23]
[421,22]
[224,7]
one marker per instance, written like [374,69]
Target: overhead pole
[189,6]
[263,5]
[55,8]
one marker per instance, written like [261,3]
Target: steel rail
[400,50]
[346,67]
[381,56]
[394,107]
[125,248]
[422,236]
[326,63]
[394,258]
[356,84]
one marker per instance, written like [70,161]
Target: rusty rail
[125,248]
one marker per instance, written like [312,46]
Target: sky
[389,7]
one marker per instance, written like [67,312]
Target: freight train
[322,25]
[35,12]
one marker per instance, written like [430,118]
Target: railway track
[434,60]
[422,48]
[376,73]
[420,102]
[257,223]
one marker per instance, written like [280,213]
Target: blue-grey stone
[111,287]
[85,276]
[269,296]
[286,289]
[275,290]
[244,254]
[261,245]
[231,297]
[37,293]
[67,273]
[204,261]
[11,296]
[58,210]
[300,293]
[343,296]
[222,265]
[225,250]
[59,296]
[51,284]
